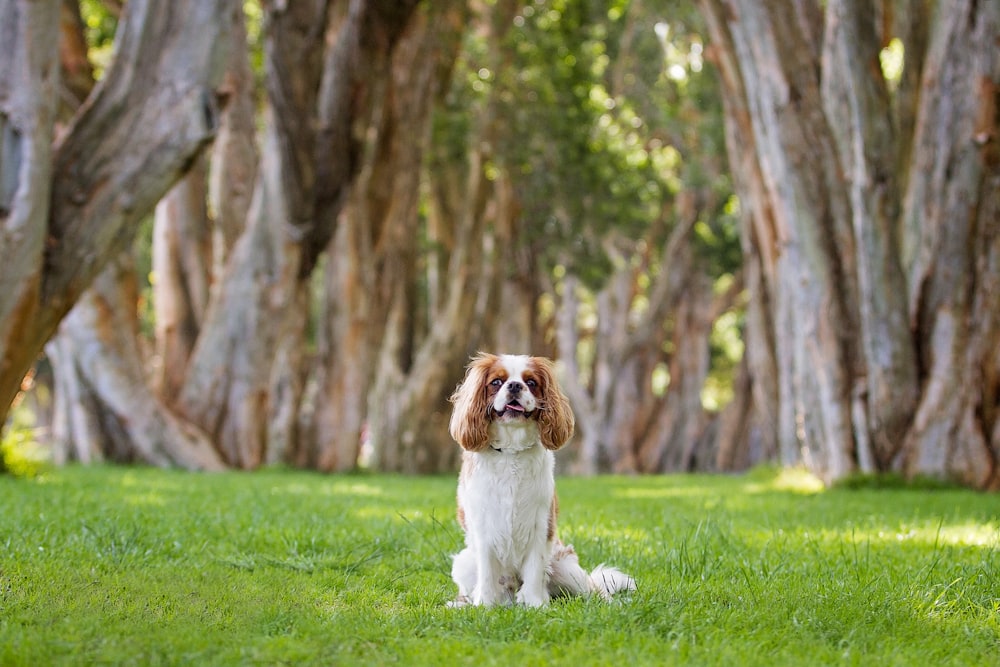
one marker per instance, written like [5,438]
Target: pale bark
[76,433]
[104,174]
[857,107]
[234,152]
[919,169]
[760,246]
[226,387]
[29,80]
[370,318]
[814,276]
[318,97]
[182,270]
[105,406]
[408,409]
[620,422]
[110,407]
[951,220]
[675,437]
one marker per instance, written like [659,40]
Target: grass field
[141,566]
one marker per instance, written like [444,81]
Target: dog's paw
[532,598]
[458,603]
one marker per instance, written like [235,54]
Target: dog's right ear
[555,418]
[470,420]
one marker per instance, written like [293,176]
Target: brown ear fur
[470,420]
[555,418]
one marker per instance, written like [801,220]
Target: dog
[509,416]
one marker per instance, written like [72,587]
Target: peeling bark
[182,266]
[111,408]
[104,175]
[316,66]
[29,80]
[885,208]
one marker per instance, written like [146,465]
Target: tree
[373,270]
[70,204]
[869,209]
[231,289]
[104,407]
[616,164]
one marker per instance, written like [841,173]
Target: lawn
[143,566]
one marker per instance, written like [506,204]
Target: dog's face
[506,389]
[511,384]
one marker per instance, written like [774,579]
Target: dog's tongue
[515,407]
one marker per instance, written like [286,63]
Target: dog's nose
[515,387]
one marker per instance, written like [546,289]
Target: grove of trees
[243,232]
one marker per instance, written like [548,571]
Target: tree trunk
[858,110]
[234,152]
[76,433]
[760,247]
[319,98]
[951,227]
[615,405]
[182,266]
[677,425]
[226,387]
[847,189]
[96,358]
[111,408]
[29,81]
[104,175]
[371,277]
[407,426]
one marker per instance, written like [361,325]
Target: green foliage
[891,58]
[20,453]
[726,349]
[141,566]
[581,154]
[100,26]
[583,160]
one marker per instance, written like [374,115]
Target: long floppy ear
[555,418]
[470,420]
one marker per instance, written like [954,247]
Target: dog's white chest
[507,498]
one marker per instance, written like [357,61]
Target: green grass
[146,567]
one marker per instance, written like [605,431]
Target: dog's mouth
[513,410]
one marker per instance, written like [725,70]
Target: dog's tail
[606,581]
[566,577]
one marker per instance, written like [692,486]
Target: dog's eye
[496,382]
[531,383]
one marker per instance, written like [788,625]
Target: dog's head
[509,389]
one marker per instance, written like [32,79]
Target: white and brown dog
[510,415]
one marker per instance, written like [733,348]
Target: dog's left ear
[555,418]
[470,424]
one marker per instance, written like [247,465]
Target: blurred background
[274,233]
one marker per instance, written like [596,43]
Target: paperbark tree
[68,205]
[623,423]
[874,216]
[104,405]
[111,412]
[182,266]
[632,285]
[374,253]
[428,338]
[322,64]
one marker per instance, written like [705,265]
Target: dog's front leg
[488,590]
[534,591]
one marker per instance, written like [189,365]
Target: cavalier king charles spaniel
[510,416]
